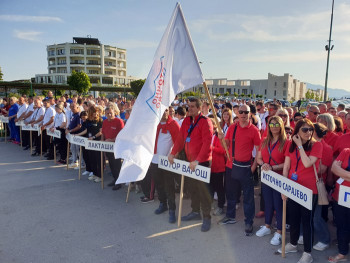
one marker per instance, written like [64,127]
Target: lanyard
[193,126]
[298,159]
[224,129]
[270,150]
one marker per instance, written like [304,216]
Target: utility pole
[328,49]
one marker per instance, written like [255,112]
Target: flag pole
[181,200]
[284,228]
[216,118]
[127,195]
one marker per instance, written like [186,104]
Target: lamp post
[328,49]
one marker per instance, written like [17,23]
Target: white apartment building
[284,87]
[104,64]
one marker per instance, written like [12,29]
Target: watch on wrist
[300,147]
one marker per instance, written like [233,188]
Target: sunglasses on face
[277,125]
[305,130]
[283,115]
[315,112]
[297,119]
[258,109]
[243,112]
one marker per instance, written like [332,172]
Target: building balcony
[110,65]
[93,65]
[77,63]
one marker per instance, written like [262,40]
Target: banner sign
[55,133]
[289,188]
[99,146]
[78,140]
[344,196]
[69,137]
[29,127]
[4,119]
[19,123]
[182,167]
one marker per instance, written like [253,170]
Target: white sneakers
[276,240]
[72,165]
[289,249]
[320,246]
[92,177]
[301,240]
[85,173]
[97,179]
[263,231]
[306,258]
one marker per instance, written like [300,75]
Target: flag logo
[154,102]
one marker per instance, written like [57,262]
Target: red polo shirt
[276,154]
[199,147]
[327,157]
[342,143]
[331,139]
[344,158]
[219,160]
[110,129]
[246,139]
[306,176]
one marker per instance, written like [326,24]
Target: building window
[92,52]
[275,84]
[265,91]
[93,62]
[109,72]
[60,51]
[228,90]
[61,62]
[239,91]
[275,93]
[251,91]
[77,51]
[91,71]
[284,84]
[284,93]
[51,53]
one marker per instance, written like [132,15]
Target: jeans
[75,149]
[342,215]
[240,176]
[320,226]
[273,201]
[302,215]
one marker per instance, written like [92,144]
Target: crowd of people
[250,136]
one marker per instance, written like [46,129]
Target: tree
[24,92]
[79,81]
[317,98]
[235,94]
[1,74]
[136,86]
[227,94]
[242,95]
[308,94]
[218,94]
[44,92]
[189,94]
[249,95]
[60,92]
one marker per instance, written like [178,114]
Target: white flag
[175,69]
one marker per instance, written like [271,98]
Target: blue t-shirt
[74,122]
[122,115]
[13,110]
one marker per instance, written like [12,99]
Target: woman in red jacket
[271,157]
[303,153]
[328,120]
[341,167]
[217,171]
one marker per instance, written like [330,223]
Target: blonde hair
[230,120]
[115,108]
[282,136]
[328,119]
[284,111]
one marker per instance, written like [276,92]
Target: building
[284,87]
[104,64]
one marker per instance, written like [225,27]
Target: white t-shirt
[59,118]
[38,113]
[49,113]
[29,109]
[22,109]
[164,145]
[68,116]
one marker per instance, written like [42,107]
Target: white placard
[201,173]
[4,119]
[289,188]
[55,133]
[78,140]
[344,196]
[29,127]
[19,123]
[99,146]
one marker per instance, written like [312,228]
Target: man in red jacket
[195,137]
[164,181]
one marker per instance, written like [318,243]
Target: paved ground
[48,215]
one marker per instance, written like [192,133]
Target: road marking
[109,246]
[173,230]
[25,162]
[38,168]
[66,180]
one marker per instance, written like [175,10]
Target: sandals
[337,258]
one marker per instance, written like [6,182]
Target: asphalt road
[48,215]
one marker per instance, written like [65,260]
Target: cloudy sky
[234,39]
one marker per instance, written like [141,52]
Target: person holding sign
[241,137]
[26,117]
[341,168]
[110,129]
[38,117]
[303,153]
[60,122]
[48,123]
[12,114]
[93,131]
[271,157]
[73,128]
[195,138]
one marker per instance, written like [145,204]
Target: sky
[233,39]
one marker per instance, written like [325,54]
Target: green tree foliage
[227,94]
[79,81]
[60,92]
[24,92]
[44,92]
[242,95]
[235,94]
[189,94]
[218,95]
[136,86]
[308,94]
[1,74]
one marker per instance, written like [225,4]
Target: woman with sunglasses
[283,113]
[303,153]
[327,120]
[341,168]
[297,117]
[271,157]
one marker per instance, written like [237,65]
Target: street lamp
[328,49]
